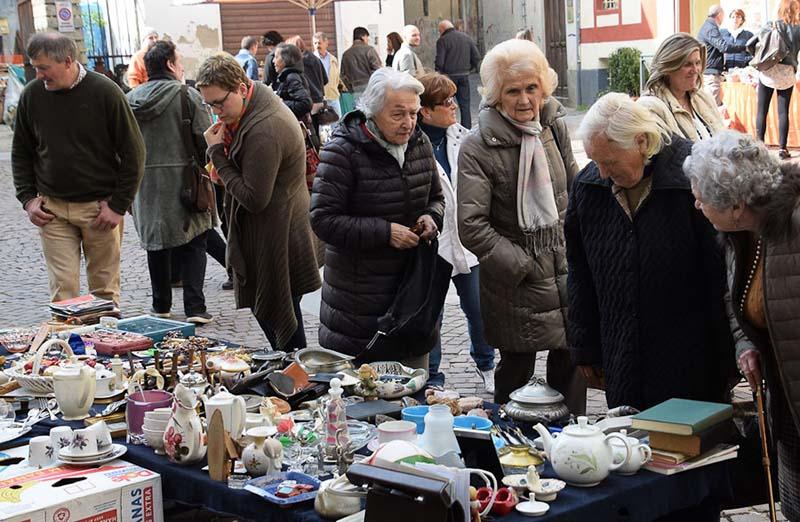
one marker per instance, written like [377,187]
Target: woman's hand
[429,228]
[750,366]
[214,134]
[402,237]
[593,376]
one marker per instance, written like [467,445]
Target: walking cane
[762,428]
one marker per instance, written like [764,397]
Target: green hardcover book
[681,416]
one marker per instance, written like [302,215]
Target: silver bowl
[320,360]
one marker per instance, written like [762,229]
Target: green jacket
[161,220]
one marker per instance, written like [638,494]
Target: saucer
[115,393]
[118,450]
[533,509]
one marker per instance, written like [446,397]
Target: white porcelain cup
[397,430]
[60,438]
[40,451]
[254,420]
[106,383]
[84,443]
[101,434]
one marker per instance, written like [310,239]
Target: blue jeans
[468,289]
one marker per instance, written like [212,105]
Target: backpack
[768,48]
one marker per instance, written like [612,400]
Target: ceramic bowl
[548,489]
[154,438]
[517,481]
[472,422]
[415,414]
[158,415]
[155,425]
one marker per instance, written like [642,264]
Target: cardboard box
[117,491]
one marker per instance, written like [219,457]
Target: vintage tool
[762,429]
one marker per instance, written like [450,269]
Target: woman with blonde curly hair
[674,92]
[513,174]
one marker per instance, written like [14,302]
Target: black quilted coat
[646,297]
[359,190]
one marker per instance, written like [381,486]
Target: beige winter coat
[674,118]
[523,299]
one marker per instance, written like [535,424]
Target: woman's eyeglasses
[448,102]
[217,104]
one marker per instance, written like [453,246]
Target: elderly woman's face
[624,166]
[279,64]
[521,98]
[685,78]
[399,116]
[723,220]
[442,115]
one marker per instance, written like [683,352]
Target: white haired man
[377,179]
[247,57]
[405,59]
[716,47]
[646,281]
[75,189]
[331,65]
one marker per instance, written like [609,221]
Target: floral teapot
[184,438]
[582,454]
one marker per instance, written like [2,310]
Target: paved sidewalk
[24,295]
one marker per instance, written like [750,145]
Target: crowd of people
[617,270]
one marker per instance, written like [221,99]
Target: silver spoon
[33,413]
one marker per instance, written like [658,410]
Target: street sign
[64,16]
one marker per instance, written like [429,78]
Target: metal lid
[537,391]
[193,379]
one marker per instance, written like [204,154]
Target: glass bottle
[335,418]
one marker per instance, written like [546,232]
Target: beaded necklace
[750,278]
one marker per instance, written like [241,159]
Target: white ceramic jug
[74,386]
[233,409]
[640,455]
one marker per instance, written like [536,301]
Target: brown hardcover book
[693,445]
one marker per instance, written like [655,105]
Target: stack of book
[84,309]
[686,434]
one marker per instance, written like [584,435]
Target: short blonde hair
[621,120]
[670,56]
[510,60]
[222,70]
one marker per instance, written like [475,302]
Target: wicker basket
[33,382]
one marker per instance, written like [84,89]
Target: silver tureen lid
[537,391]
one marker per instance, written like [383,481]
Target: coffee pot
[74,386]
[233,410]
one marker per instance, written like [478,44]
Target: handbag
[408,329]
[312,156]
[768,48]
[197,194]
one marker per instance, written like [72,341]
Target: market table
[741,101]
[642,497]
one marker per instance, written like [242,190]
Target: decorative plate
[394,379]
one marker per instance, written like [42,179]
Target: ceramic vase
[255,457]
[183,438]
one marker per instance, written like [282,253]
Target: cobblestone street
[24,297]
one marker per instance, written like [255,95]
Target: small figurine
[532,479]
[269,410]
[369,382]
[344,451]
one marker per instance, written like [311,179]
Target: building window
[607,5]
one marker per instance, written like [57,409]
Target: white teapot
[640,455]
[233,409]
[74,386]
[582,455]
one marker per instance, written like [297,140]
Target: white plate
[533,509]
[116,393]
[118,450]
[13,432]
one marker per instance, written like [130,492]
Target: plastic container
[154,327]
[415,414]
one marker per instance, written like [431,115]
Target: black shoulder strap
[186,124]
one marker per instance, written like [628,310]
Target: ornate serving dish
[536,402]
[320,360]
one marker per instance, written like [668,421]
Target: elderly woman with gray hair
[513,174]
[755,202]
[674,92]
[377,179]
[646,275]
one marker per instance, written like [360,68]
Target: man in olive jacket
[77,158]
[166,228]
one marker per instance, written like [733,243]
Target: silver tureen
[536,402]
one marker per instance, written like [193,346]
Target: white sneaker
[488,380]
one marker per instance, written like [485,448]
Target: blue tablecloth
[644,496]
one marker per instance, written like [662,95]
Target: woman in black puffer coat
[291,86]
[376,179]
